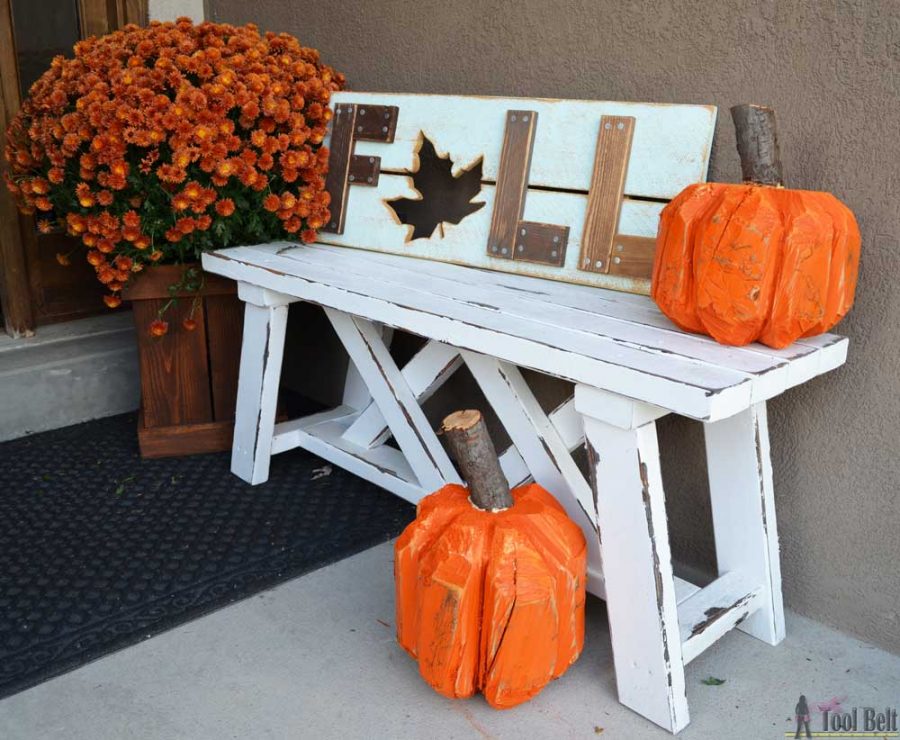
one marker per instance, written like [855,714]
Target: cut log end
[757,144]
[471,446]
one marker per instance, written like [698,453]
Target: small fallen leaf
[322,472]
[120,489]
[598,730]
[713,681]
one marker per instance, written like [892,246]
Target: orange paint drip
[752,263]
[491,601]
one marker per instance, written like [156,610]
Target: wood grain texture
[375,123]
[742,499]
[601,222]
[262,351]
[541,243]
[632,256]
[224,327]
[757,144]
[451,307]
[184,439]
[641,600]
[364,170]
[174,369]
[188,377]
[512,182]
[475,456]
[15,293]
[340,154]
[155,282]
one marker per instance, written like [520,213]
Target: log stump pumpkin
[490,583]
[756,261]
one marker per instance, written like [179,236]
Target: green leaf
[713,681]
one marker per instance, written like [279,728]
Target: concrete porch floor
[316,658]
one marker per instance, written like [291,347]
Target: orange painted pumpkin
[491,601]
[755,261]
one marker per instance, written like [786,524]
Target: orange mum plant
[155,144]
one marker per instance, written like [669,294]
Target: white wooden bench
[537,285]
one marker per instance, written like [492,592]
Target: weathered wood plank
[374,228]
[410,428]
[427,371]
[743,511]
[257,397]
[710,393]
[641,597]
[607,188]
[512,182]
[670,148]
[340,156]
[713,611]
[322,434]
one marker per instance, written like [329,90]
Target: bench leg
[637,565]
[743,509]
[257,397]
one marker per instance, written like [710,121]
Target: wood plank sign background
[569,190]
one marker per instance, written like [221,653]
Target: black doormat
[100,549]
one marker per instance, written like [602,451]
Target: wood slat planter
[188,378]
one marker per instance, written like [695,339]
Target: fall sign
[562,189]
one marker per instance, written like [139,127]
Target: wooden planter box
[188,378]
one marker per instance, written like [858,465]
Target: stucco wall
[169,10]
[832,71]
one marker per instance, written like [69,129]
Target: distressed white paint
[641,598]
[373,226]
[713,611]
[424,374]
[658,370]
[322,434]
[743,510]
[670,148]
[424,452]
[257,396]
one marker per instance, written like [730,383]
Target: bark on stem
[757,144]
[471,446]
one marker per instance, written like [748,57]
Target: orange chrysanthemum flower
[129,144]
[225,207]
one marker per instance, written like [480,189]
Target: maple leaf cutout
[445,198]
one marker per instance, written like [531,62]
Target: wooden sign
[563,189]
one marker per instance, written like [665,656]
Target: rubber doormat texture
[100,549]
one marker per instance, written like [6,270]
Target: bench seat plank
[582,344]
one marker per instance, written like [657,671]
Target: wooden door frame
[16,296]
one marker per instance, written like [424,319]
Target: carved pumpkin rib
[451,578]
[491,605]
[673,277]
[435,514]
[844,263]
[522,643]
[799,304]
